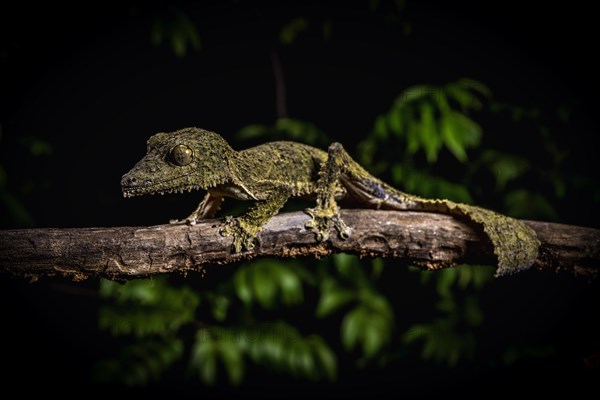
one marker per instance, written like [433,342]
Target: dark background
[88,80]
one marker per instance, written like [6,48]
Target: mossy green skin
[271,173]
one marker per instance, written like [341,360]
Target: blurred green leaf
[395,121]
[505,167]
[333,297]
[36,146]
[413,140]
[464,93]
[475,85]
[424,117]
[369,324]
[219,305]
[378,266]
[434,187]
[441,342]
[348,266]
[324,357]
[352,327]
[380,129]
[204,357]
[301,131]
[290,286]
[451,138]
[242,284]
[414,93]
[429,137]
[268,281]
[140,363]
[516,353]
[232,359]
[524,204]
[375,336]
[177,29]
[376,302]
[365,151]
[476,275]
[459,133]
[472,311]
[298,358]
[286,129]
[292,29]
[463,275]
[280,347]
[253,131]
[145,307]
[448,305]
[264,283]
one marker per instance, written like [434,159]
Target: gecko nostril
[127,181]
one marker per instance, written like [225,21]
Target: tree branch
[428,240]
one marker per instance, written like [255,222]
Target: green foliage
[285,129]
[415,181]
[450,338]
[441,341]
[277,346]
[146,307]
[369,324]
[516,353]
[429,118]
[268,282]
[461,276]
[522,203]
[208,352]
[505,167]
[292,29]
[177,29]
[140,363]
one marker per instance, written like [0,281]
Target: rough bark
[428,240]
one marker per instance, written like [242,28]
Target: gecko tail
[516,245]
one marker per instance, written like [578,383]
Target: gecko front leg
[326,214]
[245,228]
[207,208]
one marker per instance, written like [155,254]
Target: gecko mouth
[131,187]
[143,190]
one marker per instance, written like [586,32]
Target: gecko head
[186,159]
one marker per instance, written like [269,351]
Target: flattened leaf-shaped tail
[515,244]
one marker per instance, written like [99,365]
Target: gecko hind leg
[326,214]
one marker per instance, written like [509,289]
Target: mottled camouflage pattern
[271,173]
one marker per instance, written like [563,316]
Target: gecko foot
[186,221]
[323,220]
[243,233]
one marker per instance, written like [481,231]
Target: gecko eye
[181,155]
